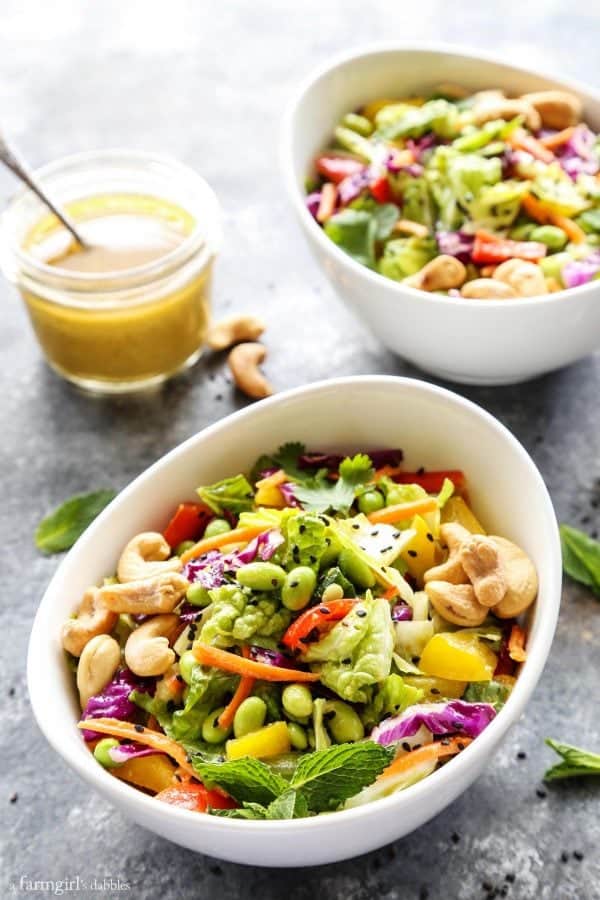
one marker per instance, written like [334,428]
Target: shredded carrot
[520,140]
[243,690]
[516,644]
[231,662]
[327,202]
[552,141]
[573,231]
[401,511]
[237,536]
[536,209]
[539,211]
[386,472]
[128,731]
[427,753]
[390,593]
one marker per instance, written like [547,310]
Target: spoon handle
[12,162]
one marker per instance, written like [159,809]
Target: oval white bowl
[436,429]
[469,341]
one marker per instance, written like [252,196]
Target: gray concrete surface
[207,82]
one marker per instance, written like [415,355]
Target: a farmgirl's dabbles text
[310,637]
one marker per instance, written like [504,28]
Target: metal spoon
[11,161]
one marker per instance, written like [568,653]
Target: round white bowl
[436,429]
[469,341]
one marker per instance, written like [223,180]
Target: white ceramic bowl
[470,341]
[435,428]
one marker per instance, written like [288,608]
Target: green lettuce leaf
[406,256]
[494,692]
[575,762]
[417,200]
[403,120]
[59,530]
[385,214]
[555,187]
[390,698]
[498,206]
[334,575]
[236,616]
[233,494]
[306,540]
[329,777]
[355,232]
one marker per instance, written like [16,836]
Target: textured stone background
[207,82]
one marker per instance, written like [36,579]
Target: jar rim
[205,236]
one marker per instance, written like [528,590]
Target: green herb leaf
[329,777]
[322,495]
[575,762]
[285,458]
[60,530]
[233,494]
[581,557]
[247,780]
[290,805]
[494,692]
[355,232]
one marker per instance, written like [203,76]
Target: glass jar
[113,332]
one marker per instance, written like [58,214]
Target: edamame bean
[552,266]
[393,497]
[345,724]
[297,700]
[261,576]
[522,232]
[332,592]
[250,716]
[331,553]
[554,238]
[356,569]
[211,732]
[187,662]
[298,587]
[297,734]
[357,123]
[182,547]
[101,752]
[370,502]
[215,527]
[197,595]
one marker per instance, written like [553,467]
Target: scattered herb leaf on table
[61,528]
[581,557]
[575,762]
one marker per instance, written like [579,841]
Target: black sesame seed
[430,536]
[324,610]
[435,691]
[424,893]
[139,728]
[455,837]
[356,526]
[347,661]
[564,856]
[541,793]
[179,678]
[416,746]
[11,692]
[375,532]
[406,746]
[13,798]
[504,890]
[385,549]
[216,870]
[578,855]
[294,584]
[302,529]
[361,613]
[177,776]
[421,470]
[521,755]
[487,885]
[415,660]
[412,553]
[274,582]
[312,559]
[396,535]
[510,877]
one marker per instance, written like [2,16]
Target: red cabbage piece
[209,570]
[578,155]
[456,243]
[580,271]
[263,546]
[401,612]
[453,717]
[393,165]
[352,186]
[189,614]
[114,701]
[125,752]
[267,472]
[420,145]
[332,461]
[287,490]
[313,202]
[271,658]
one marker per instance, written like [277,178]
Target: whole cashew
[487,289]
[233,330]
[93,618]
[480,558]
[97,665]
[456,603]
[521,579]
[557,109]
[148,596]
[145,556]
[440,274]
[451,571]
[244,361]
[147,650]
[493,107]
[525,278]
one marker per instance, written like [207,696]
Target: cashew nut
[92,619]
[557,109]
[525,278]
[97,665]
[487,289]
[521,579]
[233,330]
[440,274]
[481,561]
[147,650]
[407,226]
[244,361]
[456,603]
[489,106]
[148,596]
[145,556]
[451,571]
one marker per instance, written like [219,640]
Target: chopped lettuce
[390,698]
[494,692]
[417,200]
[406,256]
[557,190]
[498,206]
[236,615]
[208,690]
[306,540]
[231,494]
[385,215]
[403,120]
[354,231]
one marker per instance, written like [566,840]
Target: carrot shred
[429,752]
[520,140]
[539,211]
[237,536]
[386,472]
[327,202]
[154,739]
[390,593]
[243,690]
[516,644]
[573,231]
[401,511]
[231,662]
[552,141]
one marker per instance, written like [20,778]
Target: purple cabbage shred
[113,702]
[452,717]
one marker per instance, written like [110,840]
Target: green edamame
[215,527]
[298,588]
[261,576]
[331,553]
[393,497]
[355,569]
[197,595]
[357,123]
[250,716]
[182,547]
[345,724]
[297,701]
[522,232]
[212,733]
[370,502]
[187,662]
[554,238]
[552,266]
[101,752]
[298,738]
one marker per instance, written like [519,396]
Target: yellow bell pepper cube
[268,741]
[456,510]
[154,773]
[436,688]
[458,657]
[267,490]
[419,553]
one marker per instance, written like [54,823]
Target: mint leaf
[322,495]
[247,811]
[328,777]
[355,232]
[233,494]
[581,557]
[247,780]
[575,762]
[290,805]
[59,530]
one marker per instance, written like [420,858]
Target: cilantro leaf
[233,494]
[247,780]
[575,762]
[322,495]
[328,777]
[59,530]
[285,458]
[581,557]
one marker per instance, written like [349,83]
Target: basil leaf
[59,530]
[575,762]
[329,777]
[581,557]
[247,780]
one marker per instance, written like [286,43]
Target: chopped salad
[479,195]
[316,634]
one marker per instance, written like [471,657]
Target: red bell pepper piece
[432,482]
[315,621]
[489,249]
[188,523]
[381,190]
[195,797]
[336,168]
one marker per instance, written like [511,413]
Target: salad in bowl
[476,195]
[310,636]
